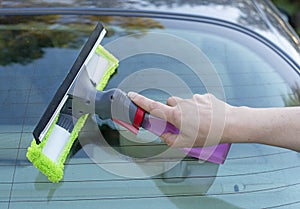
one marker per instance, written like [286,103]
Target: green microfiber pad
[55,170]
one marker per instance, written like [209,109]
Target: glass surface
[37,53]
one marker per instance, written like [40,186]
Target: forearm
[272,126]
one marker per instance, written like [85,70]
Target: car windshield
[158,58]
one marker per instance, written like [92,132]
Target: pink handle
[216,154]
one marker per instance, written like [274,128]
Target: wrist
[239,125]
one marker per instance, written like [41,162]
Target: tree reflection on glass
[294,98]
[23,38]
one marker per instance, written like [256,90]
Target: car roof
[259,16]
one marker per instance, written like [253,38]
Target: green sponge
[54,170]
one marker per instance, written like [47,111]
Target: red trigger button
[138,118]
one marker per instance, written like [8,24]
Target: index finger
[157,109]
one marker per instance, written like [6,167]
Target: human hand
[201,119]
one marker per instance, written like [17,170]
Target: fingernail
[131,94]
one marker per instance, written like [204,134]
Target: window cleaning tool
[81,94]
[59,126]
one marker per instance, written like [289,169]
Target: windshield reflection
[33,34]
[258,16]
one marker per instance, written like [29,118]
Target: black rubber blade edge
[65,86]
